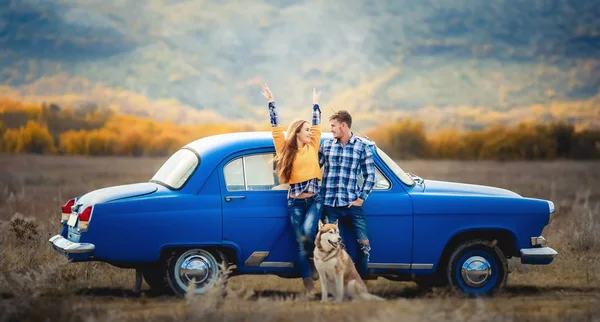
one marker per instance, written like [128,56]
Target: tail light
[84,218]
[66,211]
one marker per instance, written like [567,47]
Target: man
[343,157]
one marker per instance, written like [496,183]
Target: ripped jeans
[305,215]
[358,223]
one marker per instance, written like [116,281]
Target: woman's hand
[316,96]
[267,92]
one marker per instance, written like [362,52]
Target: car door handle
[228,198]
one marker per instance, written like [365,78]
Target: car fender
[439,217]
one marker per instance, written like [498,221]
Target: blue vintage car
[218,200]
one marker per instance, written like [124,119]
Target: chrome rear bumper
[538,255]
[65,246]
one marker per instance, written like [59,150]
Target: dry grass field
[37,284]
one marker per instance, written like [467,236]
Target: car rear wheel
[477,268]
[196,268]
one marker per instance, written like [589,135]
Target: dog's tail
[359,290]
[370,297]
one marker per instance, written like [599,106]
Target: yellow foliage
[26,128]
[73,142]
[10,140]
[165,144]
[101,142]
[526,141]
[403,139]
[447,144]
[31,138]
[131,143]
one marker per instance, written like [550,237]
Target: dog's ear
[336,222]
[320,224]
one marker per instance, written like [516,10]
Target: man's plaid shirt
[342,165]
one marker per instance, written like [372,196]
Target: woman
[297,157]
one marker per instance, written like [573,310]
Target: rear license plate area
[72,220]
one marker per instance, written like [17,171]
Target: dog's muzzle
[335,244]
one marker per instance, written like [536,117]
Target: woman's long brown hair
[288,154]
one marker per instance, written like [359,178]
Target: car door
[255,212]
[389,215]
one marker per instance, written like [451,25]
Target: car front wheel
[477,268]
[196,268]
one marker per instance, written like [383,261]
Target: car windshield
[404,177]
[178,168]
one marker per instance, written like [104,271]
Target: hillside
[468,63]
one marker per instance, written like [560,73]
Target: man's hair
[342,116]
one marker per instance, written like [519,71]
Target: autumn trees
[51,129]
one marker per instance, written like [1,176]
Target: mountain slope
[378,59]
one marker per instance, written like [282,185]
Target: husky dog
[336,269]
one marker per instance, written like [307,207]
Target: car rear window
[175,172]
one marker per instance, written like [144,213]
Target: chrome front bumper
[538,255]
[67,247]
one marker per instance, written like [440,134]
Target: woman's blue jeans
[305,215]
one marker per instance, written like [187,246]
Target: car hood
[117,192]
[433,186]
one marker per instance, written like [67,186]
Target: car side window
[254,172]
[260,172]
[234,175]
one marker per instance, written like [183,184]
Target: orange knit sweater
[306,164]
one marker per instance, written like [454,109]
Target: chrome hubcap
[194,267]
[197,267]
[476,271]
